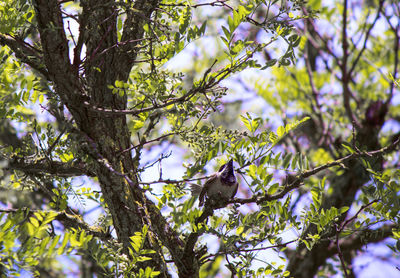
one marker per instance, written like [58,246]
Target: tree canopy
[110,110]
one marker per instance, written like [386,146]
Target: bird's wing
[236,189]
[206,186]
[195,189]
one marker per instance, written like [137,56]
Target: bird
[222,184]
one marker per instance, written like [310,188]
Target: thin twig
[366,38]
[169,181]
[305,174]
[70,32]
[203,86]
[315,94]
[147,142]
[340,253]
[345,73]
[356,215]
[281,245]
[396,31]
[67,219]
[50,149]
[219,3]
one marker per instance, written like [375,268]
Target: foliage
[92,101]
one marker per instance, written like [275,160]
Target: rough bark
[101,136]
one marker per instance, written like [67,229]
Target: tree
[88,94]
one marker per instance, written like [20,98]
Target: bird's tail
[195,189]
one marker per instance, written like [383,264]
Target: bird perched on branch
[222,184]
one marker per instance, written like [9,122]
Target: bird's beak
[226,167]
[229,165]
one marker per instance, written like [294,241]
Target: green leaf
[225,41]
[50,216]
[25,96]
[146,28]
[61,249]
[73,240]
[272,137]
[66,157]
[231,25]
[273,188]
[34,96]
[119,24]
[286,161]
[236,19]
[268,179]
[315,193]
[227,33]
[53,244]
[119,84]
[184,20]
[348,147]
[269,63]
[137,124]
[281,131]
[246,122]
[253,171]
[41,98]
[202,29]
[34,222]
[295,160]
[43,245]
[343,210]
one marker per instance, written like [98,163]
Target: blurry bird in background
[222,184]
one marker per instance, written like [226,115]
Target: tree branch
[44,166]
[366,38]
[345,74]
[56,57]
[204,85]
[25,52]
[189,256]
[362,238]
[315,94]
[300,177]
[339,251]
[53,38]
[68,220]
[136,112]
[133,31]
[396,32]
[217,3]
